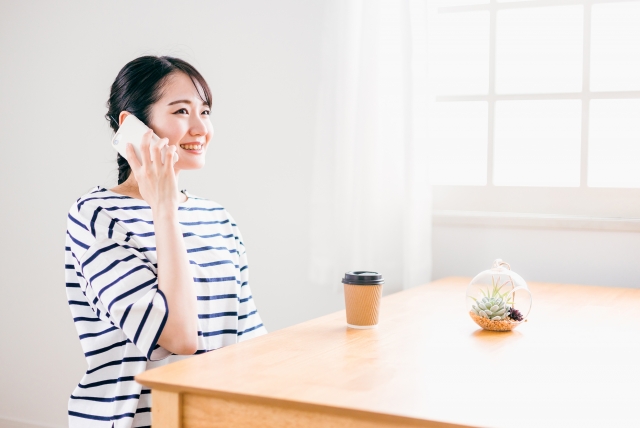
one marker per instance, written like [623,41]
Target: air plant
[494,304]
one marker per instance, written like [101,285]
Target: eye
[181,111]
[206,112]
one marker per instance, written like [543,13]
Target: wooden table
[576,362]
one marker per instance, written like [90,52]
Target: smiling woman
[152,272]
[172,98]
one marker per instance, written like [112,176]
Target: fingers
[156,148]
[168,156]
[161,146]
[145,147]
[132,158]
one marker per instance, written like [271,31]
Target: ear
[122,117]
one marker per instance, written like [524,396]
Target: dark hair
[139,85]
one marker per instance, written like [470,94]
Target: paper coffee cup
[362,293]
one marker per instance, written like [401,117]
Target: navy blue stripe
[124,415]
[124,316]
[220,262]
[76,259]
[82,336]
[250,329]
[241,317]
[77,222]
[86,319]
[67,248]
[197,250]
[143,410]
[111,225]
[130,292]
[73,285]
[111,266]
[81,244]
[131,208]
[162,324]
[137,220]
[69,267]
[187,234]
[97,253]
[245,300]
[108,399]
[218,314]
[100,418]
[93,220]
[78,302]
[197,223]
[244,283]
[243,268]
[220,279]
[121,277]
[145,234]
[219,332]
[106,382]
[117,363]
[105,349]
[199,209]
[144,320]
[86,416]
[218,297]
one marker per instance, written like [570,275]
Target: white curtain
[371,197]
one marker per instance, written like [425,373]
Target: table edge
[305,406]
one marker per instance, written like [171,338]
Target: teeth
[191,146]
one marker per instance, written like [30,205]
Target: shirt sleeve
[123,285]
[249,322]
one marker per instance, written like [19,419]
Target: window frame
[598,208]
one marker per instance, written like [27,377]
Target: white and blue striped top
[118,310]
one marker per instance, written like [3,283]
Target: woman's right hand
[158,186]
[156,177]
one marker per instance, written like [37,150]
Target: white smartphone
[131,131]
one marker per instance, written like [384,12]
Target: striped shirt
[119,311]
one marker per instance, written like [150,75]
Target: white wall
[561,256]
[262,60]
[58,60]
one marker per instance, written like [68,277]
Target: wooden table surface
[576,362]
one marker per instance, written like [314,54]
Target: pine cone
[515,314]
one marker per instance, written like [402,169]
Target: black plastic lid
[362,277]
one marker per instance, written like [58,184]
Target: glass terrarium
[498,299]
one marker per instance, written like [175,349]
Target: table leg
[166,409]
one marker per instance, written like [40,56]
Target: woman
[151,271]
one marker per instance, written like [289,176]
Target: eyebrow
[178,102]
[186,102]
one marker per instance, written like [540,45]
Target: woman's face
[181,116]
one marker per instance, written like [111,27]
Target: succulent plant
[493,308]
[493,305]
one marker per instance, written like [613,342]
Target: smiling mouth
[195,147]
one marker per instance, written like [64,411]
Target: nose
[197,125]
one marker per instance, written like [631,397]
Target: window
[536,109]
